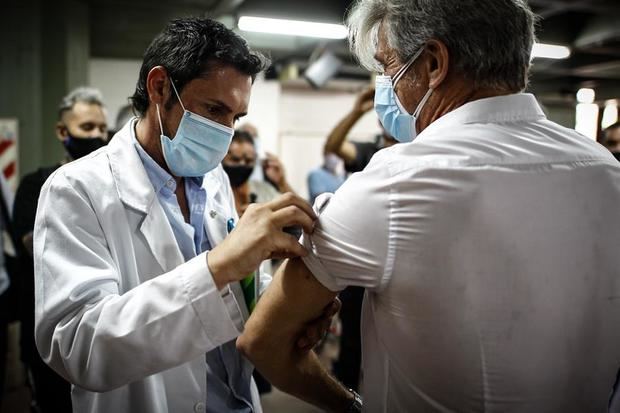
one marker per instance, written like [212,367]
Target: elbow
[261,354]
[249,346]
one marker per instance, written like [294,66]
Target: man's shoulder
[91,172]
[37,178]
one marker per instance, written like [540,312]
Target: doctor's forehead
[224,82]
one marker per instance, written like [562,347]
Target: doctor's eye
[215,110]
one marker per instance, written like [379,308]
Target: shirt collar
[159,177]
[498,109]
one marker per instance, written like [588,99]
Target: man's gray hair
[489,41]
[82,94]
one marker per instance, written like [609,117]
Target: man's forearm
[293,300]
[336,141]
[303,376]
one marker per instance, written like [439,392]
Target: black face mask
[238,175]
[78,148]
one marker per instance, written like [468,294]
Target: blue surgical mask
[392,114]
[199,144]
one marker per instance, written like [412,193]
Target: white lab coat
[118,311]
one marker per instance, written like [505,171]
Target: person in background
[356,155]
[611,139]
[326,178]
[7,278]
[268,166]
[81,128]
[486,240]
[239,164]
[124,115]
[257,173]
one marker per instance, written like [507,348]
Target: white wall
[293,120]
[306,119]
[117,81]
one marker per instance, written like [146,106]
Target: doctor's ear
[158,85]
[438,62]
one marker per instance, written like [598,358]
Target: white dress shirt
[489,250]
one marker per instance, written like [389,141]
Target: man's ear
[61,132]
[438,62]
[158,85]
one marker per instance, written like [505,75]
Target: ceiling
[124,28]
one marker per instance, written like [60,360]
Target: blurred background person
[252,131]
[239,164]
[124,115]
[8,289]
[356,155]
[267,166]
[611,139]
[81,128]
[326,178]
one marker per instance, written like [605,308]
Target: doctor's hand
[258,236]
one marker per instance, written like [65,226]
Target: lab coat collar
[132,182]
[521,107]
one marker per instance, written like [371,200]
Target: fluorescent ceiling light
[585,95]
[550,51]
[292,27]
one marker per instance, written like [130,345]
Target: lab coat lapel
[136,191]
[160,238]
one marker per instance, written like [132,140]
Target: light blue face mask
[392,114]
[198,146]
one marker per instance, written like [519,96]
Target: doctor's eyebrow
[224,107]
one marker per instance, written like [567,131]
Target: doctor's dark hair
[188,48]
[489,41]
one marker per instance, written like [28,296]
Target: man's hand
[317,329]
[365,101]
[274,171]
[258,236]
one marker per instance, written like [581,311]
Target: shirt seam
[388,269]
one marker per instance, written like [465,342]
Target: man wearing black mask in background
[239,164]
[82,129]
[612,139]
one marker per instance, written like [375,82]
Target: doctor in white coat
[137,295]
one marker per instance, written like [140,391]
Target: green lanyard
[249,284]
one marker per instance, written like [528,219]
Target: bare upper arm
[293,299]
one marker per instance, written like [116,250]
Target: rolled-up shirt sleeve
[351,243]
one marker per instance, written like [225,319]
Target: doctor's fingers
[286,246]
[289,199]
[292,216]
